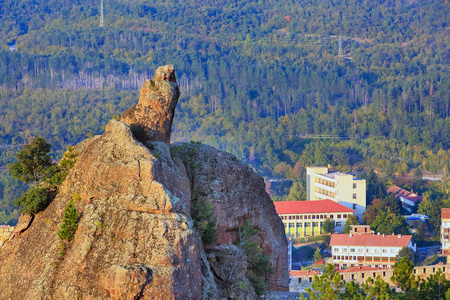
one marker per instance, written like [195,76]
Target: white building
[339,187]
[375,250]
[445,232]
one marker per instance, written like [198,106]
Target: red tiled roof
[370,240]
[310,207]
[445,213]
[301,273]
[359,269]
[399,192]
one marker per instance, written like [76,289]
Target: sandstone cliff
[135,236]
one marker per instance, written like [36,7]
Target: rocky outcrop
[151,119]
[135,236]
[237,194]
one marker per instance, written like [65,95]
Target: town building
[368,249]
[408,199]
[445,232]
[342,188]
[299,280]
[305,218]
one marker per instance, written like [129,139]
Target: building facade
[374,250]
[408,199]
[305,218]
[445,232]
[342,188]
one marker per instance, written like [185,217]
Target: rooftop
[377,240]
[310,207]
[445,213]
[399,192]
[359,269]
[301,273]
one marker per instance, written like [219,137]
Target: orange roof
[399,192]
[359,269]
[370,240]
[301,273]
[310,207]
[445,213]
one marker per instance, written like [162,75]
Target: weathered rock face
[151,119]
[135,237]
[237,194]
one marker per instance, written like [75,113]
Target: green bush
[69,224]
[201,213]
[258,264]
[33,201]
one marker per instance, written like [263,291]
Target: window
[360,250]
[299,280]
[362,275]
[310,279]
[290,217]
[338,224]
[354,196]
[331,216]
[354,206]
[354,185]
[384,250]
[338,216]
[392,250]
[296,217]
[352,249]
[301,217]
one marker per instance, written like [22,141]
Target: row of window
[368,250]
[325,192]
[326,182]
[314,224]
[364,259]
[312,217]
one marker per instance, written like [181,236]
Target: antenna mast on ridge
[102,21]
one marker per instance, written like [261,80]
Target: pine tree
[70,222]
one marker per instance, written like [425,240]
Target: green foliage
[389,223]
[258,263]
[297,191]
[34,166]
[33,162]
[328,226]
[327,286]
[317,255]
[405,252]
[403,275]
[33,201]
[201,213]
[69,224]
[187,151]
[351,220]
[69,159]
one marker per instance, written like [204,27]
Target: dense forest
[261,79]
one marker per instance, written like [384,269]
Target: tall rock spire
[151,119]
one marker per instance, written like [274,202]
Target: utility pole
[102,21]
[340,54]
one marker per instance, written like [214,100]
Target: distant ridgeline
[254,77]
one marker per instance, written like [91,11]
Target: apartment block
[445,232]
[305,218]
[368,249]
[342,188]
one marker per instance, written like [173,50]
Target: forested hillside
[260,79]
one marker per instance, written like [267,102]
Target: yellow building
[305,218]
[342,188]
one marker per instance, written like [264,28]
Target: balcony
[325,194]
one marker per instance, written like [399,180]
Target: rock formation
[135,236]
